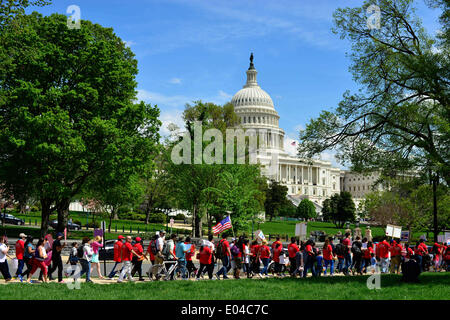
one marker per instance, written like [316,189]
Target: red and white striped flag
[222,225]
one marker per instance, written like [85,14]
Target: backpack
[80,252]
[235,250]
[340,251]
[154,246]
[219,250]
[165,251]
[356,250]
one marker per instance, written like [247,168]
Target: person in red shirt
[20,249]
[347,256]
[127,256]
[420,250]
[383,252]
[205,257]
[117,256]
[226,263]
[292,251]
[276,258]
[396,257]
[189,264]
[310,255]
[277,241]
[137,262]
[328,257]
[254,262]
[437,252]
[264,255]
[367,256]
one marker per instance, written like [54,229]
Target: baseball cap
[138,239]
[22,235]
[120,237]
[59,234]
[162,231]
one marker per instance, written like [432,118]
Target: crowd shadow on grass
[387,280]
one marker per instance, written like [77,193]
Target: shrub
[180,216]
[132,216]
[157,217]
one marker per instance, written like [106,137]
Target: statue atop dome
[251,62]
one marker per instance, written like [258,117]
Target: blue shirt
[180,251]
[319,260]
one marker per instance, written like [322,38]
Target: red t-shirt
[368,253]
[205,255]
[309,250]
[126,251]
[254,250]
[422,249]
[225,246]
[292,250]
[118,251]
[138,248]
[328,252]
[20,249]
[276,254]
[384,249]
[149,250]
[264,252]
[346,242]
[396,250]
[190,253]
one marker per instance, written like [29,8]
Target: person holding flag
[223,247]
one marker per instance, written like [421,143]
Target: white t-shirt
[247,252]
[160,243]
[3,252]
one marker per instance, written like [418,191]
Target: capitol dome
[256,110]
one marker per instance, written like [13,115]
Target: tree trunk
[113,213]
[45,215]
[62,207]
[435,222]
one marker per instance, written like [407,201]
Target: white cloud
[175,80]
[129,43]
[290,146]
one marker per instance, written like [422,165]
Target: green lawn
[288,227]
[434,286]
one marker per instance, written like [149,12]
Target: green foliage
[399,119]
[71,115]
[157,217]
[306,210]
[180,216]
[275,198]
[339,209]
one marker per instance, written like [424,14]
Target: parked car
[9,218]
[70,225]
[107,252]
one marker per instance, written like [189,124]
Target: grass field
[434,286]
[288,227]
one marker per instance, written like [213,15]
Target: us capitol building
[316,180]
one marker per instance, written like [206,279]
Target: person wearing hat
[56,257]
[159,258]
[117,256]
[20,249]
[137,260]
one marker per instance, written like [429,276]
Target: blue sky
[199,49]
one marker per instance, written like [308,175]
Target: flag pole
[232,229]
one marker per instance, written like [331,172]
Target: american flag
[222,225]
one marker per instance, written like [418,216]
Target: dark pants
[255,265]
[357,259]
[114,271]
[56,263]
[20,267]
[293,264]
[207,267]
[419,260]
[309,265]
[137,267]
[5,270]
[366,264]
[226,267]
[190,266]
[28,262]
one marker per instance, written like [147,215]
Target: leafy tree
[68,111]
[306,210]
[276,198]
[339,209]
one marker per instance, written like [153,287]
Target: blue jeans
[331,264]
[226,267]
[348,262]
[265,262]
[309,265]
[341,264]
[20,267]
[182,266]
[85,268]
[113,271]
